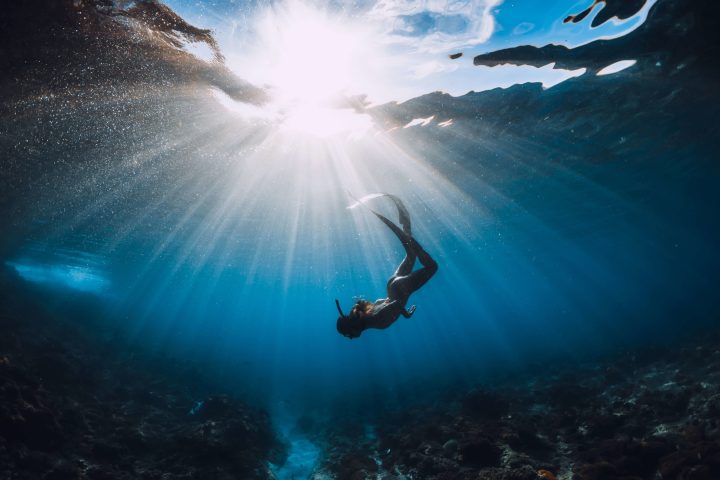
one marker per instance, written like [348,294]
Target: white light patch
[311,64]
[423,122]
[616,67]
[77,277]
[200,50]
[242,109]
[304,54]
[561,76]
[314,120]
[324,122]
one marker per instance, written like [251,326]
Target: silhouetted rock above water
[620,9]
[676,34]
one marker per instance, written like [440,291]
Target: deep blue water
[558,264]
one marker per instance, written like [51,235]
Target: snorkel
[337,304]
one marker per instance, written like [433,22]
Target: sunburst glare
[312,63]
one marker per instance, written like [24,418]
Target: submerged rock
[55,426]
[632,428]
[480,452]
[485,404]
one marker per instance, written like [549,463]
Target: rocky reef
[647,414]
[77,403]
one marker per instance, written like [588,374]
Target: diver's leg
[406,285]
[425,259]
[407,264]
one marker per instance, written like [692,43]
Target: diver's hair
[363,305]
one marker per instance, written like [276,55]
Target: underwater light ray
[436,188]
[229,195]
[296,216]
[222,213]
[590,187]
[155,260]
[381,276]
[500,279]
[368,225]
[285,207]
[350,175]
[260,200]
[321,227]
[523,151]
[194,272]
[562,178]
[140,167]
[366,170]
[201,245]
[441,200]
[164,208]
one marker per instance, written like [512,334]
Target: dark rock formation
[596,436]
[79,405]
[485,404]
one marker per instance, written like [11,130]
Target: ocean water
[568,223]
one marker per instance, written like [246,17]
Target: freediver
[384,312]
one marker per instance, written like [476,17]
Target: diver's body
[385,311]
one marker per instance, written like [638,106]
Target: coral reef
[77,406]
[641,415]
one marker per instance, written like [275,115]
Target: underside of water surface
[178,195]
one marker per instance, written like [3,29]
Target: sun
[311,61]
[313,56]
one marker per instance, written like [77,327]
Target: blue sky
[405,43]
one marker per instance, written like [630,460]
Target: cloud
[435,26]
[424,23]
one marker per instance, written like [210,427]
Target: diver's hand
[409,313]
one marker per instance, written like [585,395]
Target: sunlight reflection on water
[84,278]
